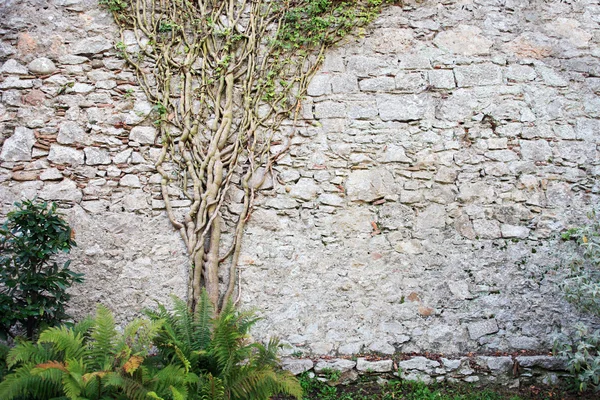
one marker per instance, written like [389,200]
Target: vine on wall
[224,75]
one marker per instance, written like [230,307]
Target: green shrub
[581,287]
[92,360]
[33,287]
[218,350]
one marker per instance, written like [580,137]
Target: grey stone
[330,109]
[434,216]
[535,150]
[130,181]
[344,83]
[138,200]
[550,76]
[441,79]
[65,155]
[418,363]
[281,203]
[415,376]
[13,67]
[83,88]
[42,66]
[498,365]
[18,146]
[296,366]
[451,365]
[66,190]
[460,289]
[379,84]
[403,107]
[319,85]
[478,75]
[364,66]
[524,343]
[91,45]
[382,346]
[374,366]
[514,231]
[51,174]
[70,59]
[482,328]
[71,132]
[414,61]
[13,82]
[545,362]
[305,189]
[520,73]
[395,154]
[369,185]
[143,134]
[464,39]
[412,82]
[487,228]
[336,364]
[96,156]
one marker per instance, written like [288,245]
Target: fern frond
[203,322]
[26,351]
[22,384]
[263,383]
[103,334]
[65,340]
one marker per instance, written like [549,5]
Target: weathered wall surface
[417,210]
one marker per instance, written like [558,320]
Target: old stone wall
[441,152]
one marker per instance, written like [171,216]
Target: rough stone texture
[403,217]
[296,366]
[18,146]
[374,366]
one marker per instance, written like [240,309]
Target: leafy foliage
[33,291]
[218,350]
[581,286]
[93,361]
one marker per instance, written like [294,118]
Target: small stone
[96,156]
[418,363]
[487,229]
[382,346]
[379,84]
[330,109]
[51,174]
[65,155]
[295,366]
[25,175]
[70,59]
[369,185]
[465,39]
[482,328]
[403,108]
[305,189]
[514,231]
[545,362]
[319,85]
[13,67]
[70,132]
[412,246]
[41,66]
[520,73]
[535,150]
[92,45]
[143,134]
[122,157]
[451,365]
[374,366]
[130,181]
[478,75]
[13,82]
[330,199]
[66,190]
[441,79]
[18,146]
[83,88]
[337,364]
[498,365]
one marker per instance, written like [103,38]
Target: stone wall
[441,152]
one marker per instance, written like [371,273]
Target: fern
[103,334]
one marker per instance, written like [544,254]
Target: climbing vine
[224,76]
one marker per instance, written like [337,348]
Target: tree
[33,287]
[224,75]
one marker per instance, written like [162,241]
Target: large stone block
[18,146]
[478,75]
[403,107]
[369,185]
